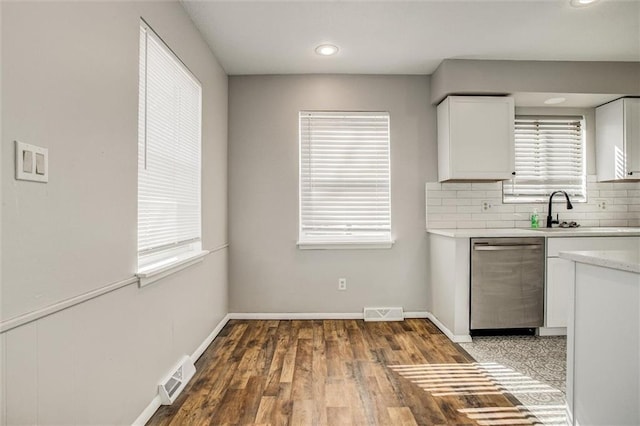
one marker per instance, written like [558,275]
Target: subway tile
[592,178]
[500,223]
[589,223]
[434,201]
[496,194]
[600,186]
[633,192]
[433,186]
[592,194]
[529,208]
[450,216]
[522,224]
[613,193]
[633,208]
[634,222]
[487,185]
[634,200]
[441,224]
[457,201]
[442,194]
[613,222]
[442,209]
[472,194]
[472,224]
[486,216]
[625,185]
[469,209]
[502,208]
[454,186]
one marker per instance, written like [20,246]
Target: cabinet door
[609,141]
[632,137]
[560,277]
[480,138]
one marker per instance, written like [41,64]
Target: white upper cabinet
[618,140]
[475,138]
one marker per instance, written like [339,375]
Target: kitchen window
[169,145]
[345,175]
[549,154]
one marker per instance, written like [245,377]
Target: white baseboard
[148,412]
[419,314]
[205,344]
[309,316]
[552,331]
[456,338]
[294,315]
[155,403]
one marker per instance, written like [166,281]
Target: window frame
[508,197]
[373,239]
[157,262]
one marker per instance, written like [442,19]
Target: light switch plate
[38,157]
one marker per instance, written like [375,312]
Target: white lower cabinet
[561,274]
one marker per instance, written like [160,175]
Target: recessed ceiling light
[326,49]
[581,3]
[554,101]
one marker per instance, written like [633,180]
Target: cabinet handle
[505,248]
[631,173]
[513,173]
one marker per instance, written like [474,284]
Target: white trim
[148,412]
[205,344]
[456,338]
[552,331]
[155,403]
[310,315]
[355,245]
[151,275]
[28,317]
[14,322]
[417,314]
[294,315]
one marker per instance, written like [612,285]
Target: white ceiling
[411,37]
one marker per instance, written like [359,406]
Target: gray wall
[469,76]
[267,272]
[70,84]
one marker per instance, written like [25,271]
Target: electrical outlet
[602,205]
[486,205]
[342,283]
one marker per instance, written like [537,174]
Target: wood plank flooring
[336,372]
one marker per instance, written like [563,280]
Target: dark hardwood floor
[338,372]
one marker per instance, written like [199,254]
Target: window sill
[153,273]
[344,245]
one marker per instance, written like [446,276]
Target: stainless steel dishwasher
[507,283]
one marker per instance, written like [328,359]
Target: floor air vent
[383,314]
[171,387]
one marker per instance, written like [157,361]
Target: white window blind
[344,177]
[549,152]
[169,133]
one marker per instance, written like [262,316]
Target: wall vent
[171,386]
[383,314]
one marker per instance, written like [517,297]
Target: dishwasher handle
[479,247]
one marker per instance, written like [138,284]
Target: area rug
[542,359]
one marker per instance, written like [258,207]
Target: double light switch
[32,162]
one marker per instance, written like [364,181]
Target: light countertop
[624,260]
[540,232]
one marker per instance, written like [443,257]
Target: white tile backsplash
[459,205]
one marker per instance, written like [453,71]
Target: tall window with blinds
[345,178]
[169,139]
[549,152]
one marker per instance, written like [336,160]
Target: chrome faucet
[550,220]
